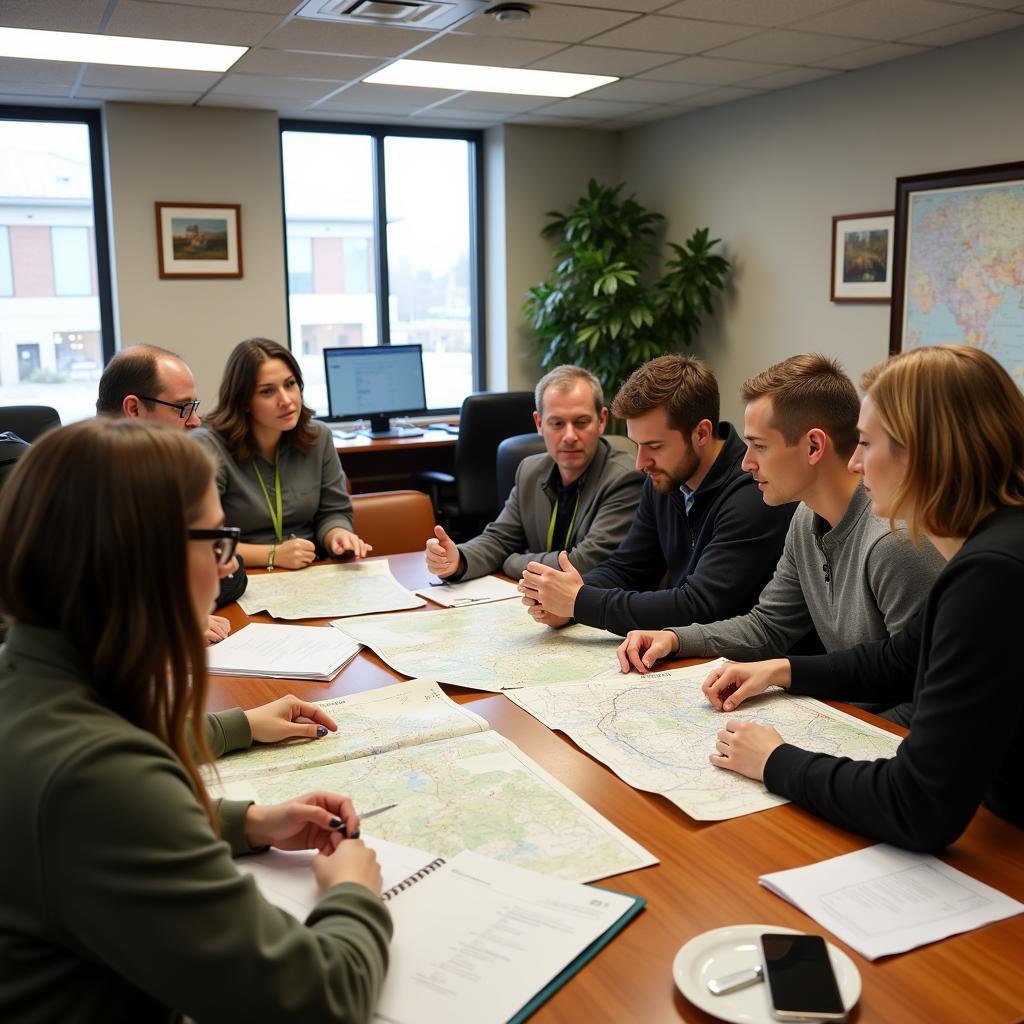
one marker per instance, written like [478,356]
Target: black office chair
[29,422]
[468,499]
[511,452]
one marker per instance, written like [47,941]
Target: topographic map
[322,591]
[965,271]
[476,791]
[656,732]
[486,647]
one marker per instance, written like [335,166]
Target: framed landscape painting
[862,257]
[198,240]
[959,262]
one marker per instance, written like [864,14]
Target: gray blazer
[608,499]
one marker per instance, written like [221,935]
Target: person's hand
[443,558]
[295,553]
[544,617]
[553,589]
[216,630]
[276,721]
[341,542]
[643,647]
[744,747]
[305,823]
[349,860]
[730,685]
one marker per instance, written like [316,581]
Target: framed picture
[862,257]
[959,262]
[197,240]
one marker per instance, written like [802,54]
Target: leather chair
[468,499]
[393,521]
[511,452]
[29,422]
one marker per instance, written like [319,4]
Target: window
[56,324]
[381,229]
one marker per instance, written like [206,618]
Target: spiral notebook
[482,942]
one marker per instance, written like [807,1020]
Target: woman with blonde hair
[942,447]
[119,900]
[278,472]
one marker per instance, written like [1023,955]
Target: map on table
[327,591]
[656,732]
[486,647]
[470,792]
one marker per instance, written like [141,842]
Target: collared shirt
[688,497]
[567,498]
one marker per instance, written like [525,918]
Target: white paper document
[479,591]
[883,900]
[282,652]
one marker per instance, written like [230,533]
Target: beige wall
[182,154]
[768,174]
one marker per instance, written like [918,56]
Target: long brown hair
[960,419]
[238,385]
[95,524]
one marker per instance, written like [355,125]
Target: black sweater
[959,659]
[716,560]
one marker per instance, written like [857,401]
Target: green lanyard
[277,521]
[554,516]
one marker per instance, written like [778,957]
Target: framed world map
[958,274]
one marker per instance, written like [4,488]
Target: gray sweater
[855,583]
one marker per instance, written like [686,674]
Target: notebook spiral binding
[407,883]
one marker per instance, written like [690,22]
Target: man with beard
[702,544]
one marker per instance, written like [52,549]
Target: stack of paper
[282,652]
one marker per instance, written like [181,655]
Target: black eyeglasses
[225,540]
[185,409]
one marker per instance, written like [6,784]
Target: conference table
[707,875]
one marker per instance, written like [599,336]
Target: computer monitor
[376,384]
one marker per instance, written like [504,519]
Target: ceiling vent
[431,14]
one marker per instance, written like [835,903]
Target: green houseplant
[598,309]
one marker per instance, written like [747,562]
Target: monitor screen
[374,383]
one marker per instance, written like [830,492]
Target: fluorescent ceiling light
[430,74]
[128,51]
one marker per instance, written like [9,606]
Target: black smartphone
[801,983]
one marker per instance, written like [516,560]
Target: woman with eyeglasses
[278,473]
[119,900]
[941,446]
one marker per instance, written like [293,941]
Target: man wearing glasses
[147,382]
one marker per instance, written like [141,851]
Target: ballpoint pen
[362,817]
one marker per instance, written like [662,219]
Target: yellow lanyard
[277,521]
[554,516]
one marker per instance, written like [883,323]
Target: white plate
[724,950]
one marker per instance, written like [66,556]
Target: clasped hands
[550,594]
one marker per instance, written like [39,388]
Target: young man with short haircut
[702,544]
[842,571]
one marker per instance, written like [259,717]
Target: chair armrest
[434,476]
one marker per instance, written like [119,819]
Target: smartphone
[800,980]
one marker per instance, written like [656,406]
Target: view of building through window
[332,253]
[51,352]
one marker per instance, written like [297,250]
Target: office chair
[468,499]
[29,422]
[511,452]
[393,521]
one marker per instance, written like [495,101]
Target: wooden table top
[361,443]
[708,873]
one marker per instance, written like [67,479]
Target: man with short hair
[147,382]
[701,524]
[579,496]
[842,571]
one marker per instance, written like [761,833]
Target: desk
[387,463]
[707,878]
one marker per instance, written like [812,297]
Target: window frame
[378,133]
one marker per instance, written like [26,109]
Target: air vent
[432,14]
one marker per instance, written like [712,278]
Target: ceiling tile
[994,5]
[783,46]
[502,53]
[492,103]
[546,120]
[384,99]
[766,13]
[279,7]
[552,22]
[986,25]
[884,20]
[54,15]
[295,89]
[602,60]
[580,107]
[659,112]
[296,64]
[790,76]
[22,88]
[51,72]
[872,55]
[640,91]
[198,24]
[710,71]
[723,94]
[357,40]
[636,6]
[181,99]
[282,107]
[149,79]
[672,35]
